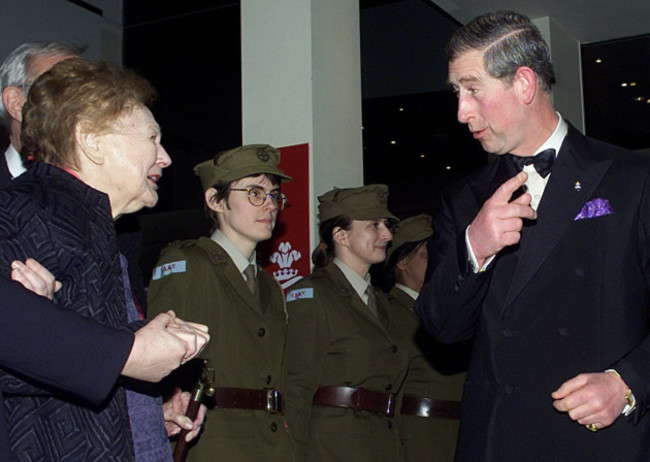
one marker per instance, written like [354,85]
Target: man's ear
[89,143]
[210,196]
[13,99]
[526,83]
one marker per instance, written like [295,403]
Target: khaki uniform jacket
[333,339]
[200,283]
[426,438]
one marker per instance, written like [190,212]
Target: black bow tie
[543,161]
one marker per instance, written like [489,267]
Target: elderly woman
[345,359]
[430,406]
[98,156]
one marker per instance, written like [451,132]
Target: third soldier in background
[430,406]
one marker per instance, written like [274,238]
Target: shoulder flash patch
[161,271]
[297,294]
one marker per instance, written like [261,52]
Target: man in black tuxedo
[547,272]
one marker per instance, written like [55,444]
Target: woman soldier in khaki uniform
[345,362]
[217,282]
[430,404]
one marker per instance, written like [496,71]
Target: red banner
[287,255]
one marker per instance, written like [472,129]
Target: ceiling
[586,20]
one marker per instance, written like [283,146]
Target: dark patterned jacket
[50,216]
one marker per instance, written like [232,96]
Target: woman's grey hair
[14,71]
[509,40]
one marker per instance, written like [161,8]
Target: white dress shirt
[14,162]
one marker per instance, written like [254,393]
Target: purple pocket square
[595,208]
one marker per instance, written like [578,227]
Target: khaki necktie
[372,300]
[251,282]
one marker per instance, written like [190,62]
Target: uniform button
[390,424]
[393,348]
[389,387]
[273,427]
[509,388]
[563,331]
[268,379]
[507,333]
[261,332]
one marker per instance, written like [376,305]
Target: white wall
[565,55]
[301,83]
[59,20]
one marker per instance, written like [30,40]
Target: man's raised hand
[498,224]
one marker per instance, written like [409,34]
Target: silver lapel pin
[577,186]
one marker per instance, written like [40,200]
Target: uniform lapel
[382,309]
[402,298]
[265,290]
[362,308]
[236,280]
[574,178]
[228,270]
[348,293]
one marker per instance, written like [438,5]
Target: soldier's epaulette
[182,243]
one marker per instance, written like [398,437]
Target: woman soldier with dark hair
[345,362]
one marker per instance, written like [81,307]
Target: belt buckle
[273,401]
[390,405]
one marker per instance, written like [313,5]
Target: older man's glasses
[257,197]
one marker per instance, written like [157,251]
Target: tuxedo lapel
[574,178]
[484,186]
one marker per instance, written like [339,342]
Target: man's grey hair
[509,40]
[15,68]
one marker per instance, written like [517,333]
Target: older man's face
[492,111]
[36,67]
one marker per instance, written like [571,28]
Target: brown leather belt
[360,399]
[428,407]
[266,399]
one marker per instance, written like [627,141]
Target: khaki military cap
[231,165]
[413,229]
[364,203]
